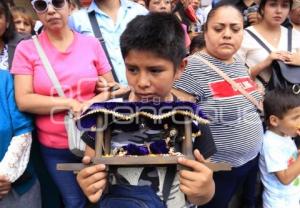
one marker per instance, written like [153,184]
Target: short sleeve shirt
[77,70]
[234,122]
[277,154]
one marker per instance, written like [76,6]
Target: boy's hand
[92,180]
[196,183]
[5,186]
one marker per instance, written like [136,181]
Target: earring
[7,25]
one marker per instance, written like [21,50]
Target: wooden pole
[99,137]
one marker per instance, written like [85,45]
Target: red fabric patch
[222,89]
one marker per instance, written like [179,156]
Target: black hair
[147,2]
[218,6]
[158,33]
[10,30]
[262,5]
[277,102]
[198,42]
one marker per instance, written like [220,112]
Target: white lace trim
[16,158]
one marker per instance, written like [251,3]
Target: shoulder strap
[259,40]
[290,39]
[98,35]
[169,178]
[48,67]
[232,83]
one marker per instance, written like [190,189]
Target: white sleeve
[16,157]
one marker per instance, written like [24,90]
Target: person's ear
[180,69]
[274,121]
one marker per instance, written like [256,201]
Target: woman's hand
[277,55]
[293,59]
[119,90]
[5,186]
[253,18]
[102,85]
[197,183]
[92,180]
[76,107]
[110,89]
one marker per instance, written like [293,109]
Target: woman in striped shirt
[235,123]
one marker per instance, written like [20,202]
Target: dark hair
[218,6]
[10,30]
[262,5]
[159,33]
[277,102]
[198,42]
[147,2]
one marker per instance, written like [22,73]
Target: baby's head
[282,112]
[153,49]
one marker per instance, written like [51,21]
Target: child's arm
[92,180]
[198,183]
[288,175]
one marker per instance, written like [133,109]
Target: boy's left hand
[197,183]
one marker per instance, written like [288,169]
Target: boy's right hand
[92,180]
[5,186]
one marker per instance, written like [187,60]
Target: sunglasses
[41,6]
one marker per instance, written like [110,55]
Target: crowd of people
[219,57]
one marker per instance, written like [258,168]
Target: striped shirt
[235,124]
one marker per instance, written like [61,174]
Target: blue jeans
[227,183]
[65,180]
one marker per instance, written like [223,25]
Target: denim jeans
[65,180]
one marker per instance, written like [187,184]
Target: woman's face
[275,12]
[3,24]
[160,6]
[224,33]
[55,17]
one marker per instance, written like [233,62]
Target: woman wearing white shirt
[270,31]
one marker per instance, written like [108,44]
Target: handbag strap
[169,178]
[259,40]
[233,84]
[98,35]
[48,67]
[290,39]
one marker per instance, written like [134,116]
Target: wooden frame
[103,152]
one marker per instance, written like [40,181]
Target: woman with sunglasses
[18,184]
[78,61]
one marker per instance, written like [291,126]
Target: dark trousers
[227,183]
[65,181]
[49,192]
